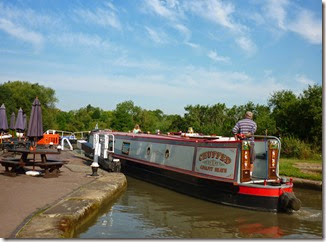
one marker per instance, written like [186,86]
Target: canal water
[149,211]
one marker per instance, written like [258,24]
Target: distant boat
[213,168]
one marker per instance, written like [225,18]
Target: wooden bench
[51,167]
[13,165]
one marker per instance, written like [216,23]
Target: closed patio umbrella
[19,126]
[25,121]
[3,120]
[12,121]
[35,127]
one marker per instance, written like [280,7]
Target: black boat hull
[207,189]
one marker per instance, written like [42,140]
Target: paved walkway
[23,195]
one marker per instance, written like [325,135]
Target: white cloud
[215,11]
[192,45]
[275,10]
[304,23]
[111,6]
[148,64]
[21,33]
[100,17]
[307,26]
[74,39]
[215,57]
[172,12]
[184,30]
[158,37]
[220,13]
[246,44]
[302,79]
[172,3]
[29,18]
[184,85]
[160,9]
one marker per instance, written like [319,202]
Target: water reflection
[148,211]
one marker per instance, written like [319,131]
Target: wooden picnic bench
[51,167]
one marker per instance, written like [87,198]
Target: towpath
[23,196]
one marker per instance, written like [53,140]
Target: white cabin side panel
[178,156]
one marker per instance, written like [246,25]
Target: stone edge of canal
[64,217]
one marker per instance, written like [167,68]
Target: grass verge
[306,169]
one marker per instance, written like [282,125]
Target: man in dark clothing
[247,127]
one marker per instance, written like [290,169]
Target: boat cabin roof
[183,137]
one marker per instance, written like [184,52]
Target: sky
[162,54]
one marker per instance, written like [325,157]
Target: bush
[295,148]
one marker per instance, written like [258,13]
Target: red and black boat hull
[208,189]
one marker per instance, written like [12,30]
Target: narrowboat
[213,168]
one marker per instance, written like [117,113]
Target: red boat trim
[179,170]
[263,191]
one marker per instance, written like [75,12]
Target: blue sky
[162,54]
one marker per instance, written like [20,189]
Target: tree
[264,121]
[206,119]
[174,123]
[284,106]
[309,113]
[124,116]
[18,94]
[148,121]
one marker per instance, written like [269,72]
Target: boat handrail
[111,151]
[67,141]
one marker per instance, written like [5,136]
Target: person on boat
[136,129]
[245,129]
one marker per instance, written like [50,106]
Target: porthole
[148,151]
[167,154]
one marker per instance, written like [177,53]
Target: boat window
[125,148]
[167,154]
[148,151]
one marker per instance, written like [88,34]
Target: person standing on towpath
[246,128]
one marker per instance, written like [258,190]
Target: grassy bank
[306,169]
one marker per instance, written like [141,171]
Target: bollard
[95,164]
[94,169]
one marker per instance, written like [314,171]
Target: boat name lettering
[222,170]
[213,163]
[215,155]
[207,168]
[210,168]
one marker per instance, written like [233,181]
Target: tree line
[285,115]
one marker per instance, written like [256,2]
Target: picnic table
[51,167]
